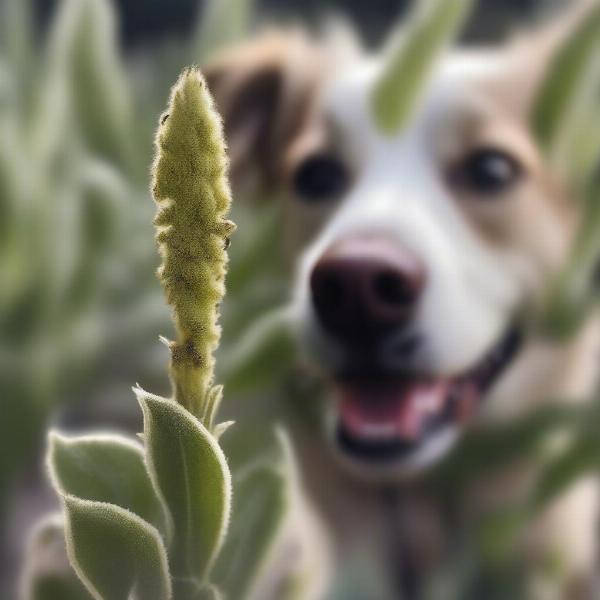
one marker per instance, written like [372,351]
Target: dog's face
[425,250]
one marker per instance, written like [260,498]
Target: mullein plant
[74,150]
[149,521]
[72,160]
[74,143]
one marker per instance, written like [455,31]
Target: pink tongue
[391,410]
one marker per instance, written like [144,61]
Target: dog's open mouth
[382,419]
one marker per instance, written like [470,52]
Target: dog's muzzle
[366,292]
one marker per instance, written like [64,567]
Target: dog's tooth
[426,401]
[378,430]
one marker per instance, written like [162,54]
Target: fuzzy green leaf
[116,554]
[261,502]
[190,470]
[106,468]
[567,78]
[435,24]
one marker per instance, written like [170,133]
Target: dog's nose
[365,287]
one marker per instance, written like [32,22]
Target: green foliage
[252,251]
[47,574]
[263,354]
[116,554]
[56,587]
[564,122]
[492,448]
[67,192]
[416,50]
[572,78]
[79,294]
[87,81]
[74,211]
[192,191]
[149,523]
[222,22]
[190,470]
[112,493]
[580,458]
[574,294]
[106,468]
[261,490]
[109,504]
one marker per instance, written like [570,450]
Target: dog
[418,255]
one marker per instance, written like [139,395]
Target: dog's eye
[320,177]
[487,171]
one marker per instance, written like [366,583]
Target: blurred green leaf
[573,295]
[584,147]
[190,589]
[254,251]
[58,587]
[101,191]
[190,470]
[581,458]
[435,24]
[116,554]
[86,83]
[11,187]
[221,23]
[264,353]
[500,531]
[259,509]
[16,44]
[488,449]
[47,574]
[575,71]
[106,468]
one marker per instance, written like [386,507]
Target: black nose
[366,287]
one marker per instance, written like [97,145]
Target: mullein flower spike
[191,190]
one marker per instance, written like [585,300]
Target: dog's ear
[266,90]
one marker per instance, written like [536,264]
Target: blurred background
[82,83]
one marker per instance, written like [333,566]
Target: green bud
[191,190]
